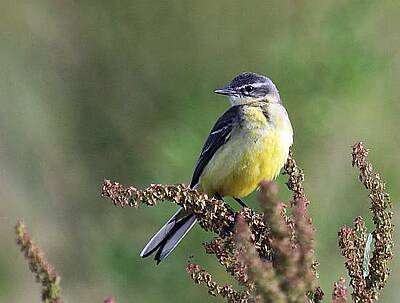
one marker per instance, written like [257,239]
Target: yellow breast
[256,151]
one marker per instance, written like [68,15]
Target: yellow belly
[249,157]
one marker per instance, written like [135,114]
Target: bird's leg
[218,196]
[241,202]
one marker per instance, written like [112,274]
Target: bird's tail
[169,236]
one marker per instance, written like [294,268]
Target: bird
[249,143]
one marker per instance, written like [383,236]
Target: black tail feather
[169,236]
[175,236]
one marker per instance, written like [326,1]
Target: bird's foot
[241,202]
[218,196]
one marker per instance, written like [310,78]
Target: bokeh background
[123,90]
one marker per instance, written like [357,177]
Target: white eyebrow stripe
[258,84]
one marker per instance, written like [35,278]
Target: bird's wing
[218,136]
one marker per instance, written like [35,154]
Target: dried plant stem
[200,276]
[226,252]
[290,276]
[278,247]
[261,273]
[212,214]
[271,254]
[367,279]
[39,266]
[339,294]
[304,224]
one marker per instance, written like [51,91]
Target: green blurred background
[123,90]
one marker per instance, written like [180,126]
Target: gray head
[248,87]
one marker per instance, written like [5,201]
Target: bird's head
[248,88]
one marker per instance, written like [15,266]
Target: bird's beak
[224,91]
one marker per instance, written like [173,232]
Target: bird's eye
[248,88]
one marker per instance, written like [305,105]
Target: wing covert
[218,136]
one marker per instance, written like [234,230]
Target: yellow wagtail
[248,143]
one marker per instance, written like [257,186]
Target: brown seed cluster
[200,276]
[289,275]
[40,267]
[286,273]
[227,254]
[339,294]
[352,242]
[259,271]
[299,203]
[212,214]
[295,179]
[270,254]
[368,276]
